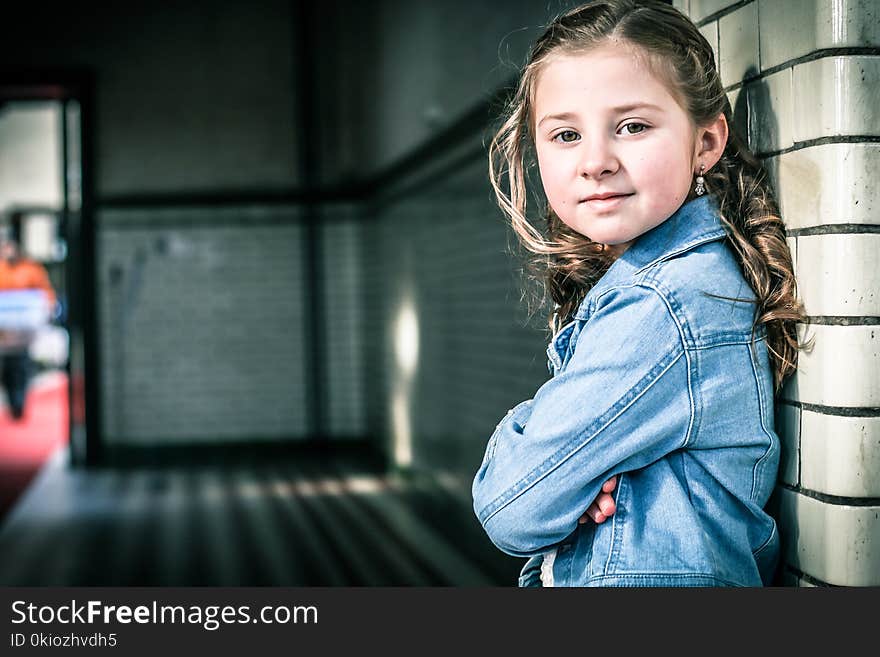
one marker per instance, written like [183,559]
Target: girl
[675,316]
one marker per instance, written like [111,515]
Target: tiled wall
[343,253]
[810,70]
[202,325]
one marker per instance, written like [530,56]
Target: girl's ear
[711,140]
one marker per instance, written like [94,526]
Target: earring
[700,189]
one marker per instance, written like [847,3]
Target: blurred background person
[27,301]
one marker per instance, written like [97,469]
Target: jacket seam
[659,575]
[733,343]
[766,543]
[713,236]
[761,409]
[684,345]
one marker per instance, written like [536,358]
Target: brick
[702,8]
[710,31]
[841,368]
[837,544]
[840,274]
[794,28]
[770,112]
[738,44]
[828,184]
[842,94]
[740,112]
[840,455]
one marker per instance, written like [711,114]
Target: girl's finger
[605,504]
[595,513]
[609,485]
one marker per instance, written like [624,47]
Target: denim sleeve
[621,402]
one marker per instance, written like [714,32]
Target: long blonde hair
[570,263]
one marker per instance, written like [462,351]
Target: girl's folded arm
[622,402]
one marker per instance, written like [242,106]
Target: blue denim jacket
[657,379]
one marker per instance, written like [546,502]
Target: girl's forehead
[602,71]
[608,75]
[594,62]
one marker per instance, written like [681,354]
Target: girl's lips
[607,203]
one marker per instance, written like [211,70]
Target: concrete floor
[308,522]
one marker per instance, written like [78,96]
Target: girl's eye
[567,136]
[633,128]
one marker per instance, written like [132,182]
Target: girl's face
[617,153]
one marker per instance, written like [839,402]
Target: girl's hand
[603,506]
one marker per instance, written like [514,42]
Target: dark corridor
[308,521]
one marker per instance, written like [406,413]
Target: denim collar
[694,223]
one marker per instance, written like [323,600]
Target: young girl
[675,316]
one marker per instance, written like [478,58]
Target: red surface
[26,444]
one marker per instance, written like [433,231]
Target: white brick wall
[770,112]
[202,325]
[814,116]
[846,466]
[841,94]
[840,274]
[739,34]
[833,542]
[828,184]
[793,28]
[840,370]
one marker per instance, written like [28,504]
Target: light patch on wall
[838,21]
[401,427]
[406,339]
[406,351]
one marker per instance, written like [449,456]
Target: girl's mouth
[605,202]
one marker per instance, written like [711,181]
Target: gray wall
[437,244]
[400,72]
[442,252]
[189,97]
[198,102]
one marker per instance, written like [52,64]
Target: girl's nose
[597,160]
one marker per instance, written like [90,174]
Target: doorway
[42,348]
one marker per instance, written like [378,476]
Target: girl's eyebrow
[565,116]
[629,107]
[620,109]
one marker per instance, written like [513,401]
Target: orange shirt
[25,274]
